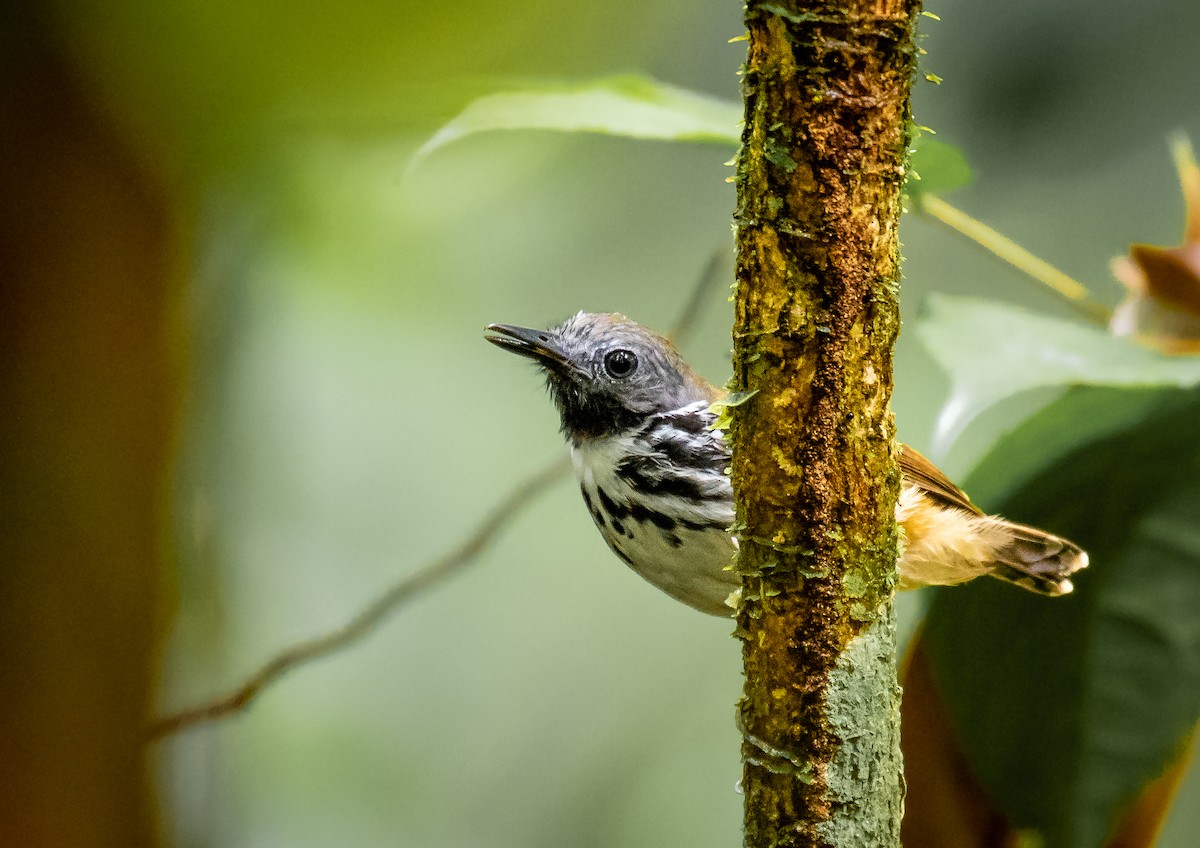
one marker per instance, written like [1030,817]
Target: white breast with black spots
[668,521]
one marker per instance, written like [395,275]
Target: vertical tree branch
[819,176]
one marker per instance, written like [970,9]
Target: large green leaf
[993,351]
[1067,708]
[630,106]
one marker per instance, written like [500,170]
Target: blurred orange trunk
[87,273]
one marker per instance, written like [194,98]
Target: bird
[653,472]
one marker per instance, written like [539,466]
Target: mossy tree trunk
[819,176]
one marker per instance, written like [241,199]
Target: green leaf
[1068,707]
[630,106]
[723,408]
[934,167]
[1076,418]
[992,351]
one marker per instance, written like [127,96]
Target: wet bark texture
[826,89]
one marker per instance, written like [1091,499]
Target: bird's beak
[538,345]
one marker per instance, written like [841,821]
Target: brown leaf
[946,804]
[1162,307]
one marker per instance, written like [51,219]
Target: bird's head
[605,372]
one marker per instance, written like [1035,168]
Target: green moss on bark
[826,89]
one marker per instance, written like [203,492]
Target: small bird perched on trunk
[652,471]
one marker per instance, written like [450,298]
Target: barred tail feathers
[1036,560]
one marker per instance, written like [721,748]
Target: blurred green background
[343,422]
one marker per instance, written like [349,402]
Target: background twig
[1073,291]
[374,614]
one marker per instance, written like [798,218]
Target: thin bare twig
[1075,292]
[694,307]
[375,612]
[382,607]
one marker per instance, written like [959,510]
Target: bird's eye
[620,363]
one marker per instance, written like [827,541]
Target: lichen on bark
[826,89]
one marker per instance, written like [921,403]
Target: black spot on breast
[622,555]
[597,513]
[692,422]
[614,509]
[701,526]
[644,515]
[618,527]
[677,453]
[690,453]
[674,540]
[646,477]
